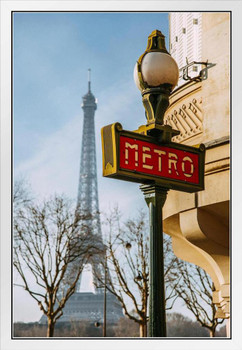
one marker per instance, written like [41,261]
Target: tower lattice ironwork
[87,201]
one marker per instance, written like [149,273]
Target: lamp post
[105,297]
[156,74]
[149,156]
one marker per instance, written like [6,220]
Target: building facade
[200,109]
[186,41]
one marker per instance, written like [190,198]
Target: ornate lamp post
[148,156]
[156,74]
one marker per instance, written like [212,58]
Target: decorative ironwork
[203,74]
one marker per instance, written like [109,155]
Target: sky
[52,53]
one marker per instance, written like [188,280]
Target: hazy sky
[51,55]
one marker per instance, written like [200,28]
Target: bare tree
[21,194]
[127,256]
[193,285]
[51,246]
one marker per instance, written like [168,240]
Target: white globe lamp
[156,74]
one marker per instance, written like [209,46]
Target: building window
[195,21]
[176,38]
[194,68]
[184,30]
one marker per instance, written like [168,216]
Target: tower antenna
[89,79]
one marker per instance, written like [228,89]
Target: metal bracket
[203,74]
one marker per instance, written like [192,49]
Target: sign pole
[155,197]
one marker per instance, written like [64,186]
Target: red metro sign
[140,158]
[162,161]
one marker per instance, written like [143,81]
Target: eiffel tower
[88,305]
[87,199]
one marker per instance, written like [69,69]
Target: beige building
[200,110]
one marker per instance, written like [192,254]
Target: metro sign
[161,161]
[134,157]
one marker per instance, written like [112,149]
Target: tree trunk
[51,327]
[143,330]
[211,332]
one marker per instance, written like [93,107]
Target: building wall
[185,39]
[206,41]
[215,92]
[200,110]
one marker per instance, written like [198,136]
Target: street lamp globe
[156,67]
[156,74]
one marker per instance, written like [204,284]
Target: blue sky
[51,55]
[52,52]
